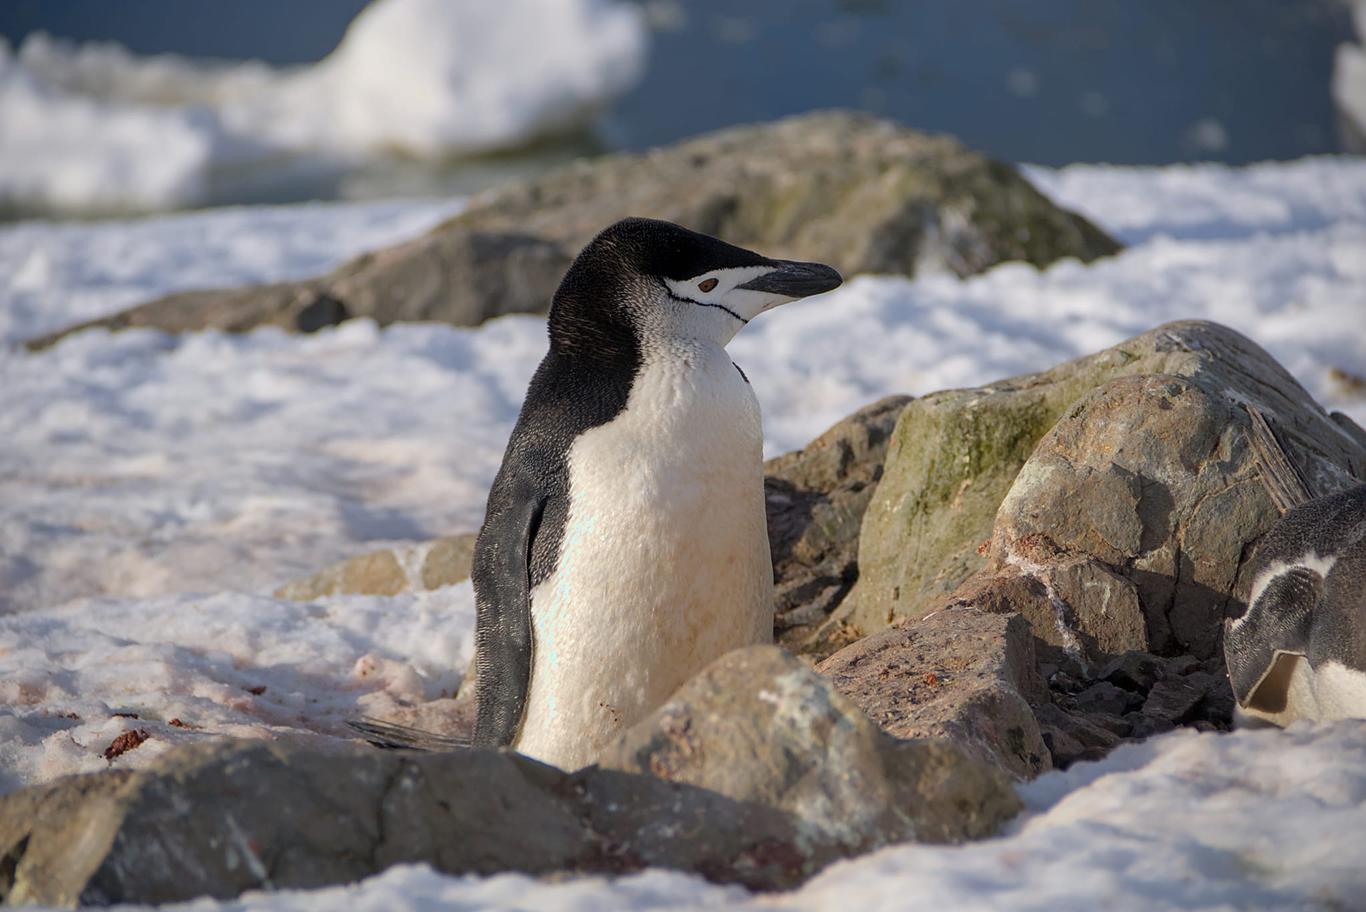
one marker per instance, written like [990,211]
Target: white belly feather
[664,564]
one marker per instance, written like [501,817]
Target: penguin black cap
[660,249]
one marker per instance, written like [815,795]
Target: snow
[97,128]
[140,465]
[1211,201]
[66,673]
[154,489]
[55,274]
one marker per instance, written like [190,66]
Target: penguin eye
[706,284]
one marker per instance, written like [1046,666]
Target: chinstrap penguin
[1299,650]
[625,543]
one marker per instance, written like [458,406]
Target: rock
[295,306]
[838,187]
[1072,737]
[1143,725]
[271,815]
[1104,697]
[1002,594]
[1136,671]
[759,726]
[1217,703]
[448,561]
[429,565]
[959,674]
[1151,477]
[1100,609]
[1080,606]
[1065,682]
[1181,665]
[1172,699]
[221,818]
[376,573]
[1132,493]
[1112,723]
[640,821]
[952,458]
[815,498]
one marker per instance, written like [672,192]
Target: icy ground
[154,489]
[96,128]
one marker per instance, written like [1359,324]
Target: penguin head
[643,280]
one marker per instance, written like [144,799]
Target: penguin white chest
[664,562]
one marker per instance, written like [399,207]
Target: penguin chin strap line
[670,292]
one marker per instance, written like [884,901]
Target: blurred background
[159,104]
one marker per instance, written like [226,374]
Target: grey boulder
[759,726]
[862,194]
[962,674]
[222,818]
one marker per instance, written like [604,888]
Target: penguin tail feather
[1281,477]
[389,736]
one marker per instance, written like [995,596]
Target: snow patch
[222,664]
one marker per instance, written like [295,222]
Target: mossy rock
[954,456]
[951,460]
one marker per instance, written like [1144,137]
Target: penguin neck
[599,333]
[699,326]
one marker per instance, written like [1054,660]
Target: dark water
[1047,81]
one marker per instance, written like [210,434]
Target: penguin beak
[795,280]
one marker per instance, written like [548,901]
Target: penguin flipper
[1263,645]
[502,580]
